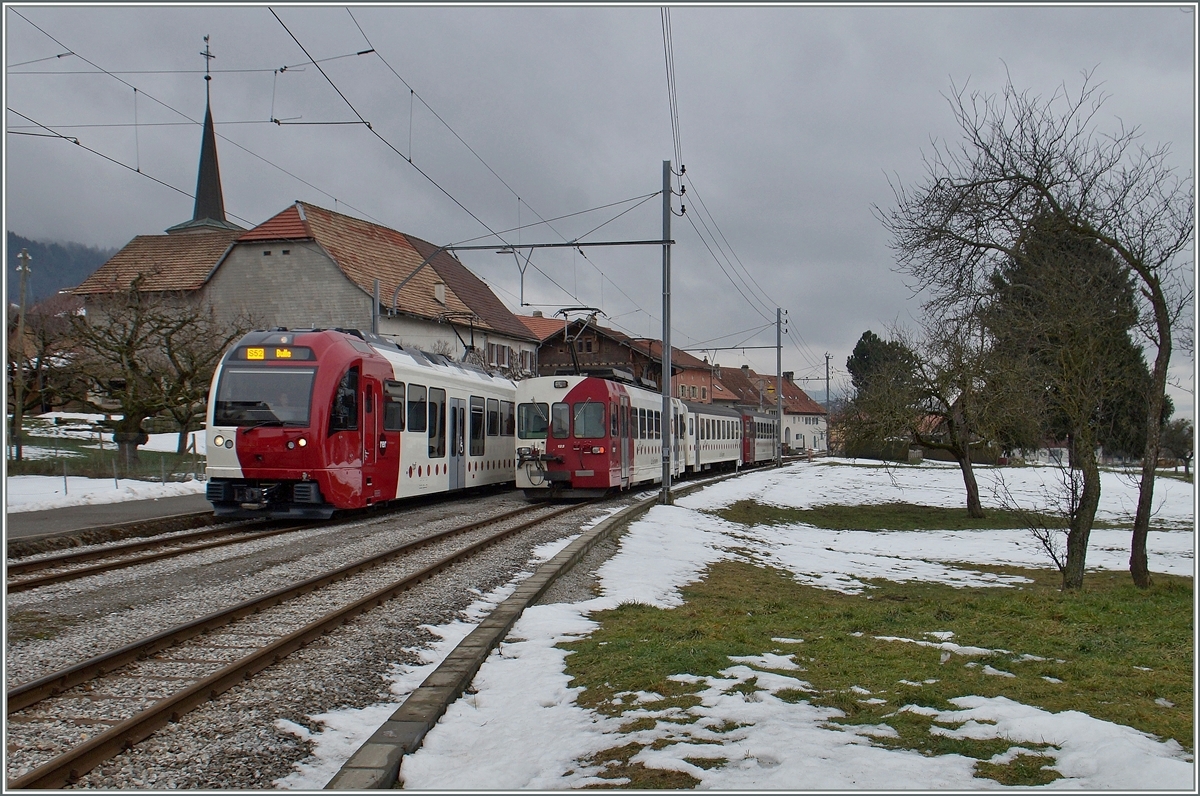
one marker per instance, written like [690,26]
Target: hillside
[53,267]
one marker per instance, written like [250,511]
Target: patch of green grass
[82,457]
[884,516]
[1114,648]
[1023,769]
[635,776]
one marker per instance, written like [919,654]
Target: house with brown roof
[312,267]
[309,267]
[805,422]
[592,348]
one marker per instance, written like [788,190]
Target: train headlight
[524,451]
[302,442]
[598,449]
[229,443]
[291,444]
[218,440]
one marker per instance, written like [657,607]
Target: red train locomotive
[303,423]
[581,436]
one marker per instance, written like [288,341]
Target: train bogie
[305,423]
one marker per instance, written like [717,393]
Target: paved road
[71,518]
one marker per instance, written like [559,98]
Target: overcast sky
[792,120]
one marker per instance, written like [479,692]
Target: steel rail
[24,567]
[34,691]
[82,572]
[76,762]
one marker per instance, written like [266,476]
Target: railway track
[64,569]
[82,715]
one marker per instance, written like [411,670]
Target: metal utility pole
[667,417]
[827,382]
[778,387]
[19,369]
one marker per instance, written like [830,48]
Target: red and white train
[303,423]
[581,436]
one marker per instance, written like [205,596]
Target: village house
[310,267]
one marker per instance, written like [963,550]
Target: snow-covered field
[38,492]
[523,696]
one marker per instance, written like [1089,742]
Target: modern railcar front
[304,423]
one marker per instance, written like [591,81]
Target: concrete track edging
[376,764]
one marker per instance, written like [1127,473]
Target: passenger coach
[303,423]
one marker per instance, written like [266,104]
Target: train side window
[416,408]
[393,406]
[493,417]
[344,414]
[437,423]
[508,419]
[560,421]
[658,425]
[641,423]
[614,422]
[589,420]
[691,427]
[477,429]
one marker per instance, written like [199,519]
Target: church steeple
[210,203]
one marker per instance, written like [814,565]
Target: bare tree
[140,353]
[1179,441]
[1024,156]
[191,348]
[929,391]
[43,355]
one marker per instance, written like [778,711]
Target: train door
[747,439]
[458,443]
[370,429]
[626,441]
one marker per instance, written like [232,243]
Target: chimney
[537,313]
[439,292]
[746,370]
[787,376]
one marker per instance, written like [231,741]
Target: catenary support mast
[667,416]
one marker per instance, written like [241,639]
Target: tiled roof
[287,225]
[740,383]
[797,401]
[181,261]
[541,328]
[366,251]
[744,384]
[679,359]
[472,290]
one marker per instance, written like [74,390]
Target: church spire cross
[210,204]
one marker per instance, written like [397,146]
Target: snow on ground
[39,492]
[522,691]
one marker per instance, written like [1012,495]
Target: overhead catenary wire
[249,70]
[180,113]
[672,96]
[414,96]
[55,134]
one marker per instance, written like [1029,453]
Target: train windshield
[589,420]
[264,396]
[533,420]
